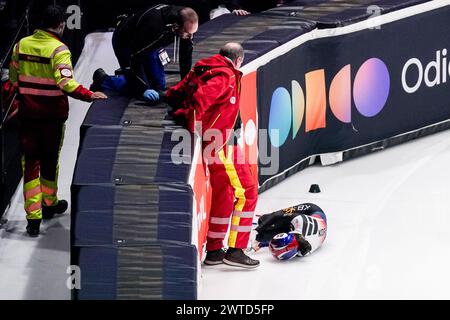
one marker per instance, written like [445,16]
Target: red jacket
[8,96]
[209,94]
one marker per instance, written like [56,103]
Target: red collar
[52,34]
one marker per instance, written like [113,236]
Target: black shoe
[97,79]
[33,227]
[237,257]
[119,72]
[49,212]
[214,257]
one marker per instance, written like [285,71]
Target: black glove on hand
[303,245]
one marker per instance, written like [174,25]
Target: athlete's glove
[256,245]
[303,245]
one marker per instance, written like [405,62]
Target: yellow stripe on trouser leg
[239,191]
[49,190]
[33,199]
[233,234]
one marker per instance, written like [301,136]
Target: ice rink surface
[388,231]
[388,225]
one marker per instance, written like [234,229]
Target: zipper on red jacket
[215,121]
[231,132]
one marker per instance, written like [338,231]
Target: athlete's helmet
[283,246]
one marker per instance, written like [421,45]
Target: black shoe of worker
[49,212]
[97,79]
[237,258]
[214,257]
[33,227]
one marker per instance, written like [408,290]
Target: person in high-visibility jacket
[41,71]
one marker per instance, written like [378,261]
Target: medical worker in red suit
[208,99]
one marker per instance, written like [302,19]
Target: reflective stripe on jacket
[41,69]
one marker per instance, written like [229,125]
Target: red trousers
[41,143]
[234,194]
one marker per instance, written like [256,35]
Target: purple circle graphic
[371,87]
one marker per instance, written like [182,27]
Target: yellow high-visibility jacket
[41,69]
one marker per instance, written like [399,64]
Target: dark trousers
[141,72]
[41,143]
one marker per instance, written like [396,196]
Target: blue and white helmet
[283,246]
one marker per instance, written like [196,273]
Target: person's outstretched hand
[99,95]
[151,95]
[240,12]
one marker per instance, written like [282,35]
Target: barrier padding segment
[131,216]
[151,271]
[107,215]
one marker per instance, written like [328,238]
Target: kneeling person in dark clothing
[139,42]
